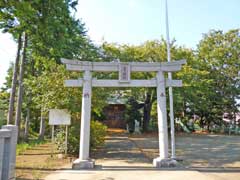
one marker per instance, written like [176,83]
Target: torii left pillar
[162,160]
[84,162]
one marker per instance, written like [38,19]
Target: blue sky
[135,21]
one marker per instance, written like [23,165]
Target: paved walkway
[121,159]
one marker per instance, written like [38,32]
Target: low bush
[97,134]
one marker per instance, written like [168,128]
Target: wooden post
[53,143]
[53,134]
[66,139]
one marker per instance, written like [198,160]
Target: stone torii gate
[124,69]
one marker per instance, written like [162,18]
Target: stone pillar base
[164,163]
[83,164]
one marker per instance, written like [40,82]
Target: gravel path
[123,159]
[200,151]
[120,151]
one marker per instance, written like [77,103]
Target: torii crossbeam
[124,69]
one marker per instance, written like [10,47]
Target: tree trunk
[14,82]
[208,127]
[42,127]
[184,109]
[20,89]
[27,122]
[146,117]
[147,112]
[201,123]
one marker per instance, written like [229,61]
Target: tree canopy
[211,83]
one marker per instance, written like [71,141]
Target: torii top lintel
[76,65]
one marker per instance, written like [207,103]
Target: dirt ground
[36,162]
[208,157]
[198,150]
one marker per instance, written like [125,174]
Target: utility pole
[173,156]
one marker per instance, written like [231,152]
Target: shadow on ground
[120,147]
[216,151]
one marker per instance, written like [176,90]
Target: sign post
[66,139]
[60,117]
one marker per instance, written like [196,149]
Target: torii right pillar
[162,160]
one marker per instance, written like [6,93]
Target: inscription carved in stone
[124,72]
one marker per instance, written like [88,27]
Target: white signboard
[59,117]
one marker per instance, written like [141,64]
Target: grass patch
[23,146]
[38,159]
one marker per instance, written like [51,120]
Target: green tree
[52,33]
[155,51]
[219,55]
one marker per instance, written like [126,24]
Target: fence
[8,142]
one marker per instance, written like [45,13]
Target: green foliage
[132,113]
[74,138]
[211,82]
[98,132]
[210,79]
[60,139]
[218,54]
[53,33]
[21,147]
[155,51]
